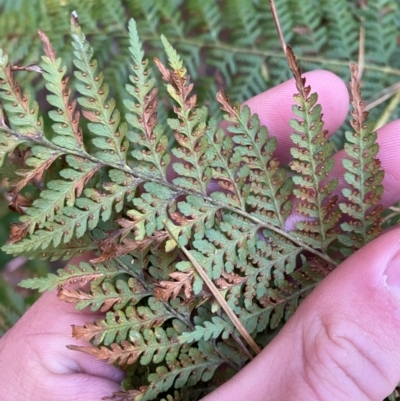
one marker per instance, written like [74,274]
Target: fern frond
[12,307]
[63,251]
[269,189]
[22,113]
[342,29]
[151,209]
[313,163]
[117,324]
[191,367]
[244,16]
[363,174]
[213,329]
[58,192]
[380,29]
[206,17]
[152,345]
[280,303]
[106,296]
[82,274]
[143,112]
[308,17]
[67,129]
[105,119]
[189,127]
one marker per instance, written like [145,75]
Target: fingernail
[391,277]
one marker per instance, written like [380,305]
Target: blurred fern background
[225,43]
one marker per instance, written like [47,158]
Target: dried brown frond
[358,113]
[228,280]
[69,105]
[297,73]
[72,296]
[226,106]
[79,185]
[180,84]
[3,118]
[165,72]
[171,289]
[34,176]
[124,354]
[47,47]
[16,90]
[75,296]
[116,244]
[149,116]
[88,331]
[18,231]
[19,203]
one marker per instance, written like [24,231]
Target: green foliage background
[230,44]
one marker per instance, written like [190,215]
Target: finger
[57,317]
[342,343]
[44,332]
[76,387]
[80,387]
[274,107]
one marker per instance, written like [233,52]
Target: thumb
[343,341]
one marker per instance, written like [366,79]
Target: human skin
[341,344]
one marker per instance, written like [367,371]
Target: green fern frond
[82,274]
[280,303]
[343,29]
[143,112]
[105,119]
[117,324]
[106,296]
[75,247]
[380,29]
[150,345]
[67,129]
[206,17]
[313,163]
[269,189]
[212,329]
[22,113]
[191,367]
[363,174]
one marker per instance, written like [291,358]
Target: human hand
[35,364]
[341,344]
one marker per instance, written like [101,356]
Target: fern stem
[221,300]
[242,346]
[179,191]
[232,364]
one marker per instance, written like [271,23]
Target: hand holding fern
[35,364]
[341,344]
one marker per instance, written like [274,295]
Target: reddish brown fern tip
[358,113]
[47,47]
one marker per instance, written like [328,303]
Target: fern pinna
[192,263]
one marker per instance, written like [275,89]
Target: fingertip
[389,151]
[274,106]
